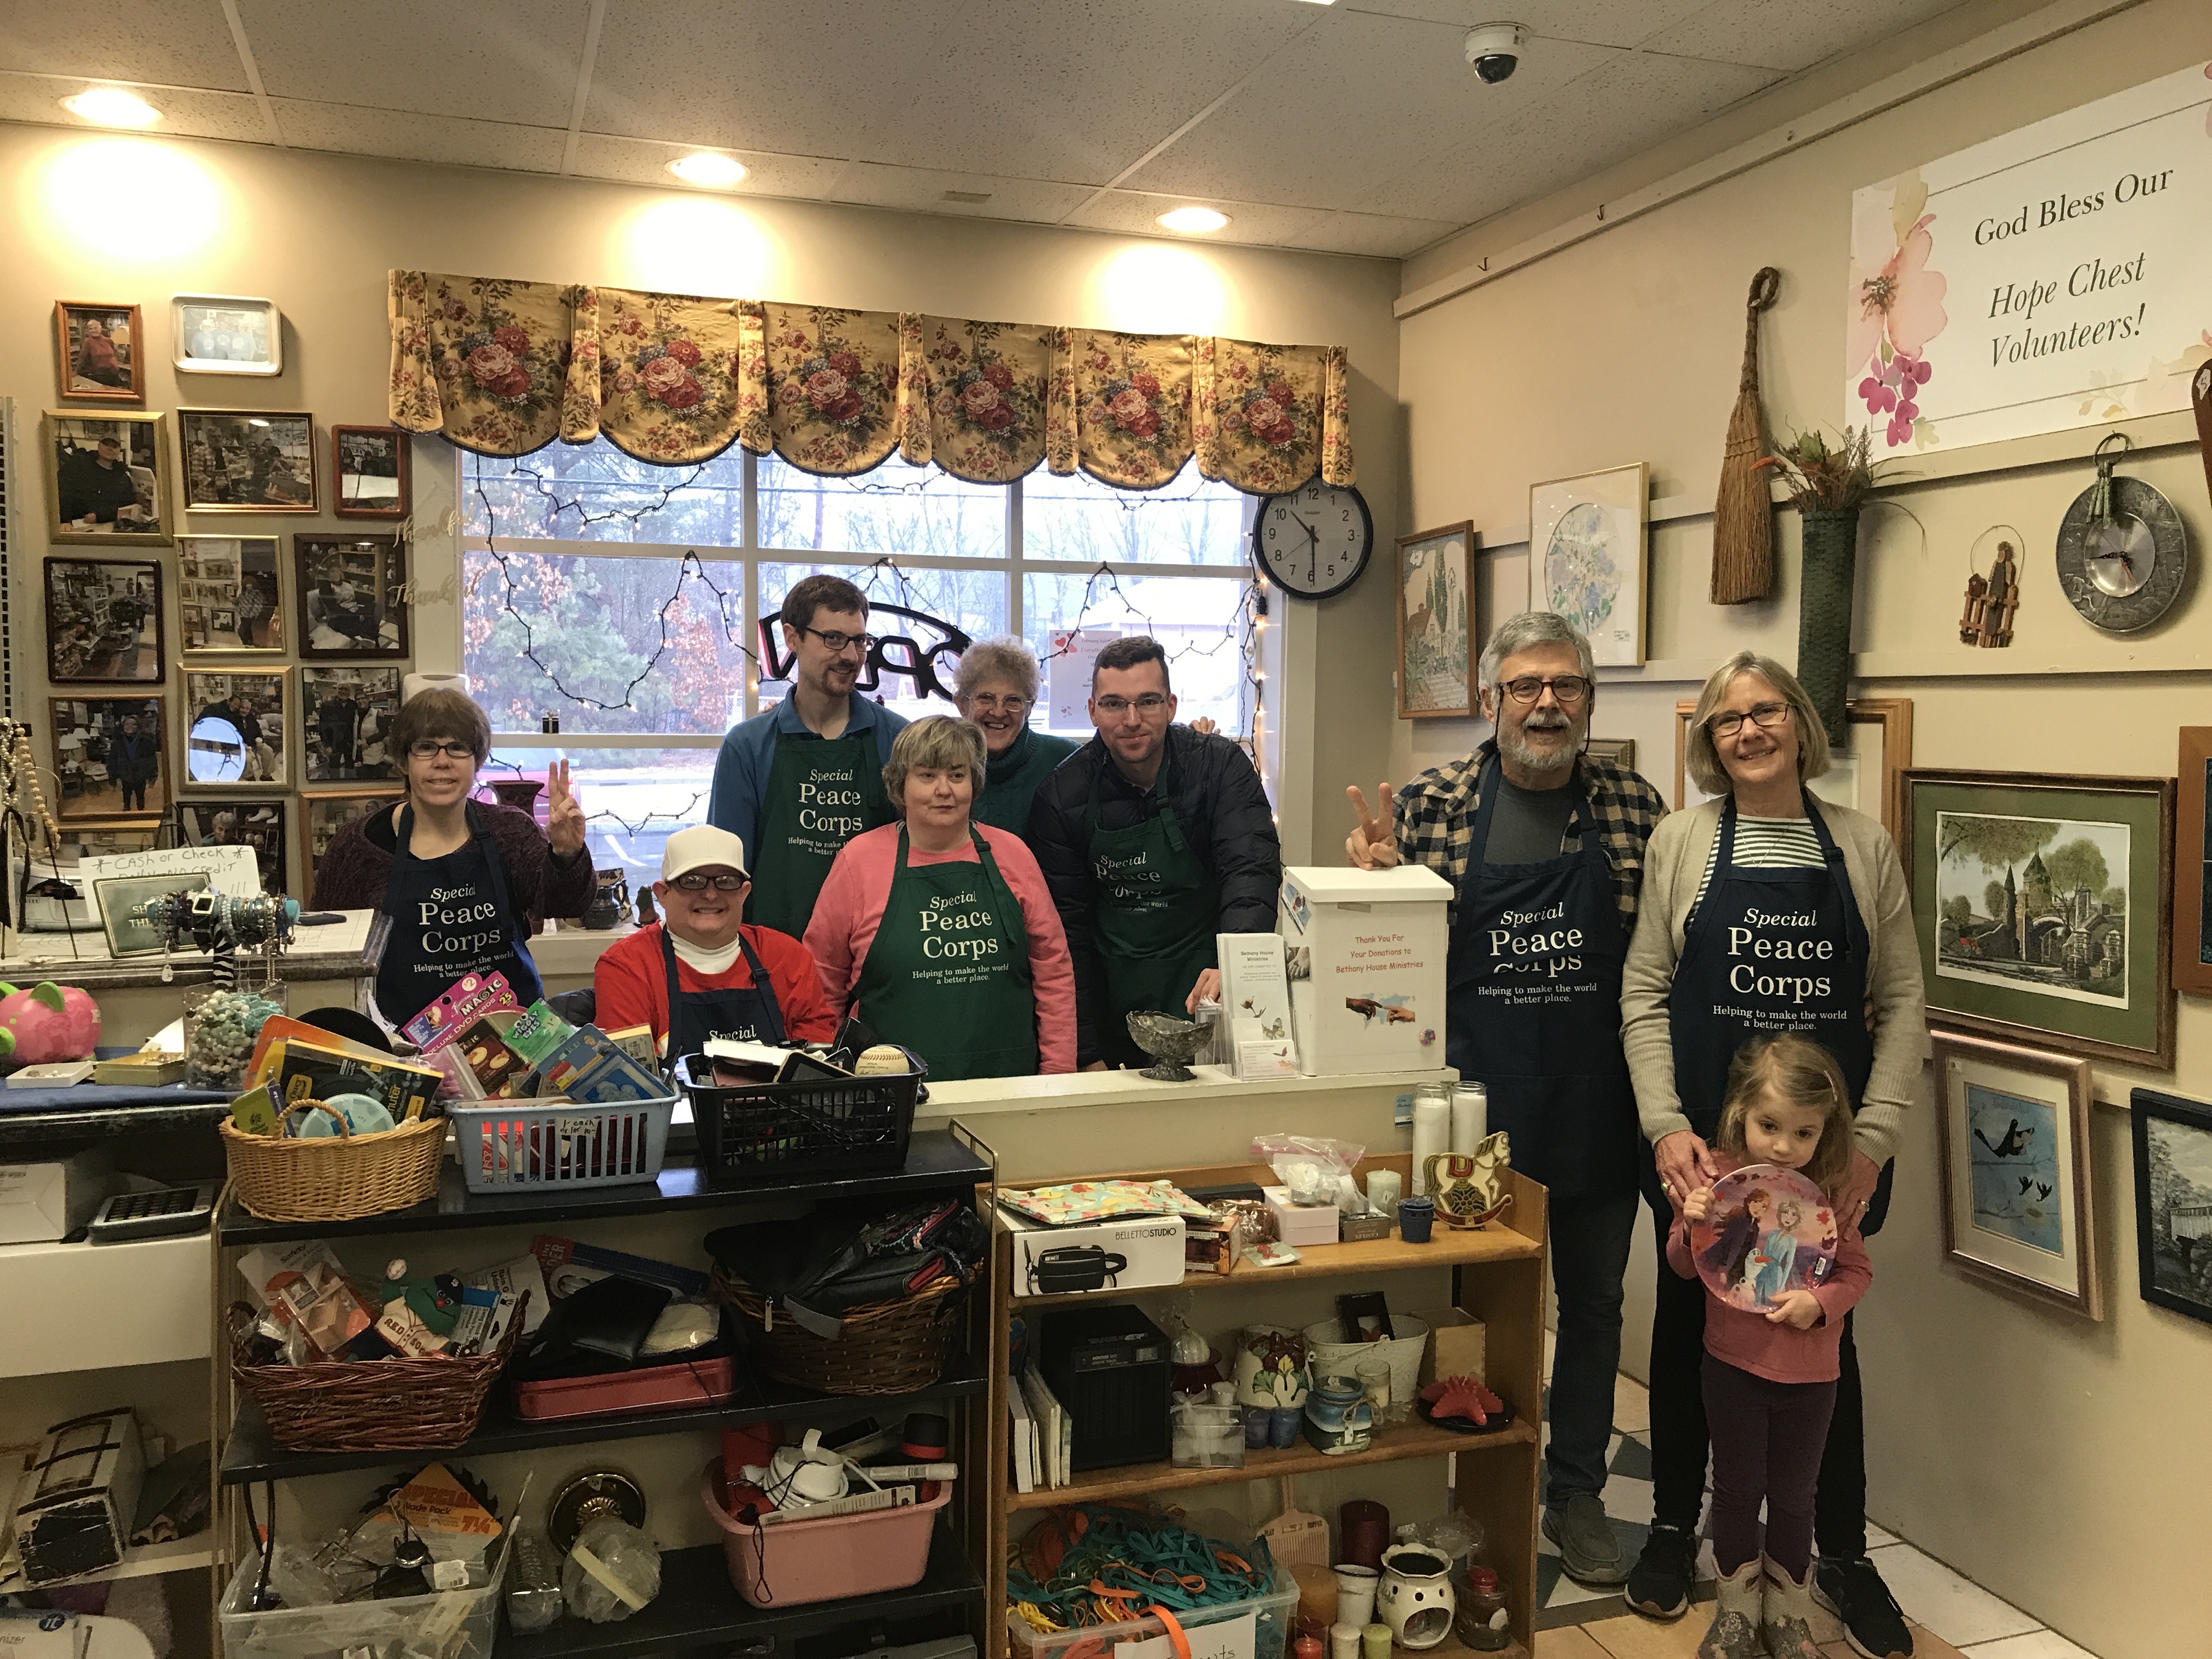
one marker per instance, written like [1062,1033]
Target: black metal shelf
[935,1160]
[698,1608]
[250,1457]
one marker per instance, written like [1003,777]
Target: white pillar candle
[1470,1117]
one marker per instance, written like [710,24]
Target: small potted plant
[1828,485]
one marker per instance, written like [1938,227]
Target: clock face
[2123,571]
[1315,541]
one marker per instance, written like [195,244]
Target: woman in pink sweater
[939,933]
[1770,1376]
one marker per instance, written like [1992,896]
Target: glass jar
[221,1028]
[1481,1622]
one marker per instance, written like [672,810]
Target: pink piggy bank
[48,1021]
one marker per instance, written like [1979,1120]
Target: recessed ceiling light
[708,168]
[112,107]
[1194,221]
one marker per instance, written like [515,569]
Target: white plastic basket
[507,1144]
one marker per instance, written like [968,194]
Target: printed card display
[1255,1000]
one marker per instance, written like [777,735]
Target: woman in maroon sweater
[464,882]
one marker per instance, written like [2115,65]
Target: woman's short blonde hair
[1006,657]
[935,743]
[1703,760]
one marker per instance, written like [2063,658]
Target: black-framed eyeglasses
[1764,715]
[838,643]
[1150,704]
[430,749]
[1566,690]
[696,881]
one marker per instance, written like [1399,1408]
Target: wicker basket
[887,1347]
[370,1405]
[334,1178]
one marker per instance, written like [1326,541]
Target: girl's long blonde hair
[1798,1072]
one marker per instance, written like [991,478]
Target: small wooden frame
[247,460]
[2173,1138]
[351,597]
[369,472]
[1438,631]
[90,487]
[2192,856]
[99,613]
[77,375]
[82,733]
[323,813]
[234,750]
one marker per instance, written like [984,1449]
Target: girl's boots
[1737,1616]
[1785,1617]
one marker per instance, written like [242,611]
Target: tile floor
[1950,1616]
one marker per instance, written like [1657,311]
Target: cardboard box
[1300,1224]
[1459,1344]
[1367,967]
[1150,1244]
[42,1203]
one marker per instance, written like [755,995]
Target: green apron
[948,972]
[1158,907]
[820,792]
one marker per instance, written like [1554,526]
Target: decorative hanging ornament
[1743,511]
[1992,601]
[2123,551]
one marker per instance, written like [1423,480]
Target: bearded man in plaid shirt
[1543,845]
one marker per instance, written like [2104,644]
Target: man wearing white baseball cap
[701,972]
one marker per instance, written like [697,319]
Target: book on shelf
[1022,1444]
[1054,1426]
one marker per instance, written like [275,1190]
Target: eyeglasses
[1567,690]
[991,702]
[693,881]
[837,644]
[1764,715]
[1148,705]
[429,749]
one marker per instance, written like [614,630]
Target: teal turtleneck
[1014,777]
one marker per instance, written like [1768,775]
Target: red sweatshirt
[1782,1353]
[632,983]
[851,909]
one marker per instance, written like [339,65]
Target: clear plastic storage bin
[1277,1609]
[447,1624]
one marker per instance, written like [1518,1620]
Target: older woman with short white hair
[1767,909]
[996,687]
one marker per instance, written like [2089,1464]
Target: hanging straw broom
[1743,517]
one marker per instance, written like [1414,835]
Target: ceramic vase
[1824,613]
[1415,1598]
[1271,1367]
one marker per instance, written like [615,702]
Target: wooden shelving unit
[1500,1280]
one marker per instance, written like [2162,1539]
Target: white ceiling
[1355,128]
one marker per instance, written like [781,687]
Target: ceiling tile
[1790,34]
[147,41]
[642,161]
[1372,233]
[1597,22]
[185,114]
[489,60]
[922,190]
[1384,90]
[446,138]
[1249,222]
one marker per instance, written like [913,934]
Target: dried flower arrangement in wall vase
[1828,485]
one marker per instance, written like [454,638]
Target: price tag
[575,1128]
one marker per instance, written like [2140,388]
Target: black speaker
[1108,1366]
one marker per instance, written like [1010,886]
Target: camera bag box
[1151,1243]
[83,1496]
[1367,967]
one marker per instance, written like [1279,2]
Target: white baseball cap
[699,846]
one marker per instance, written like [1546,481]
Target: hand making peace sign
[1374,845]
[564,813]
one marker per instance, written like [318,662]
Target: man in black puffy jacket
[1153,838]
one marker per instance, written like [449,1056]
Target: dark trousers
[1679,1441]
[1590,1241]
[1768,1441]
[138,790]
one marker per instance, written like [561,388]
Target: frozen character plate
[1770,1232]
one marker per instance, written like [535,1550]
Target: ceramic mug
[1415,1598]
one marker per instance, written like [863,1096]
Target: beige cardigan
[1674,863]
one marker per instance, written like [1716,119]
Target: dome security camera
[1494,49]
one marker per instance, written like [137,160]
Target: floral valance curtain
[504,368]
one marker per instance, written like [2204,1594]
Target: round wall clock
[2122,553]
[1315,541]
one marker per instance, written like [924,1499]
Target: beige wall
[2038,1453]
[106,217]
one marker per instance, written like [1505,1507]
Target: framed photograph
[96,352]
[104,623]
[2017,1198]
[369,472]
[2043,907]
[1868,776]
[107,479]
[236,722]
[1622,751]
[247,460]
[1437,633]
[94,841]
[2192,879]
[260,824]
[348,712]
[325,814]
[353,595]
[226,334]
[1587,556]
[2173,1200]
[228,596]
[108,753]
[118,898]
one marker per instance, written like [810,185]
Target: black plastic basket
[768,1132]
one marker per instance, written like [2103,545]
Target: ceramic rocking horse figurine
[1469,1187]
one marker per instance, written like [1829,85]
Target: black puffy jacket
[1225,814]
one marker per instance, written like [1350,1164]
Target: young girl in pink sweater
[1770,1378]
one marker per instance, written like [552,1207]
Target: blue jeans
[1590,1241]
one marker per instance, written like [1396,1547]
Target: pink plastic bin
[794,1562]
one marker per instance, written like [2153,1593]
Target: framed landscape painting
[1436,629]
[2042,903]
[1587,546]
[2173,1200]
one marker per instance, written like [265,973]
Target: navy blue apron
[435,941]
[1769,951]
[749,1015]
[1533,1005]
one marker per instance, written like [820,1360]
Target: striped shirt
[1765,844]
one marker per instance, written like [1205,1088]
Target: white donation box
[1367,967]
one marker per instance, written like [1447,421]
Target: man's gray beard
[1531,759]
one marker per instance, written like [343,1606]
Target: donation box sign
[1366,961]
[2058,277]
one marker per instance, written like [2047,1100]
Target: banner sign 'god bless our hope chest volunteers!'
[2058,277]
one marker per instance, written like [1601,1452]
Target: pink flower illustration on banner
[1892,389]
[1896,304]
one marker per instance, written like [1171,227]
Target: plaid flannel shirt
[1435,819]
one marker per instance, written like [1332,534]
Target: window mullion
[1014,621]
[750,514]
